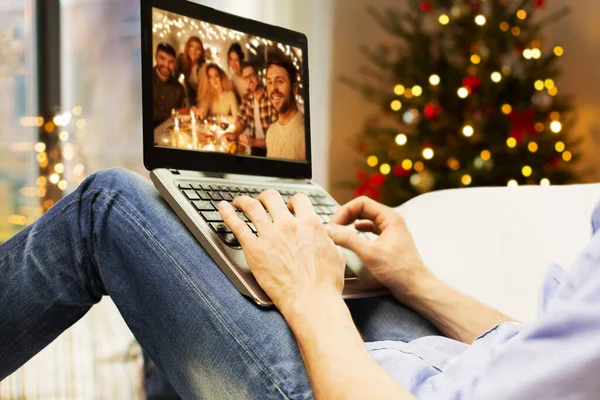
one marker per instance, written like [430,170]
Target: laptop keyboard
[206,198]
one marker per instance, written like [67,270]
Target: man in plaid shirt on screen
[256,113]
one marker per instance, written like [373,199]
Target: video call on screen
[220,90]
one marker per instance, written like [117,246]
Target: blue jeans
[115,235]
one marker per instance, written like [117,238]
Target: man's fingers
[363,208]
[239,228]
[367,226]
[273,202]
[301,206]
[346,237]
[255,212]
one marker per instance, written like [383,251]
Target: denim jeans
[114,235]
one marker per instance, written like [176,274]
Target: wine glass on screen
[223,123]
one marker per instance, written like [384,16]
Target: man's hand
[246,139]
[392,258]
[292,258]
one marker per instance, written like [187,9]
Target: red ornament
[471,83]
[522,123]
[371,187]
[432,111]
[400,171]
[362,148]
[426,6]
[539,3]
[475,6]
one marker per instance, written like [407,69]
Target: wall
[578,33]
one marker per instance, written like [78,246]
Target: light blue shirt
[556,357]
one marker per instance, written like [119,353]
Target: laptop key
[230,239]
[191,194]
[242,216]
[202,205]
[196,186]
[226,196]
[220,227]
[211,216]
[203,195]
[252,227]
[185,186]
[216,196]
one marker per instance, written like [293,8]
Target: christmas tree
[468,98]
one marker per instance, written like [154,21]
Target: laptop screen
[219,90]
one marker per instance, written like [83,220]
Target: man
[168,92]
[255,114]
[285,138]
[115,235]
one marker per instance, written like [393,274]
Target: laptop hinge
[174,171]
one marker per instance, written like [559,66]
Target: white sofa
[493,243]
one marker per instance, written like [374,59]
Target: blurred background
[70,89]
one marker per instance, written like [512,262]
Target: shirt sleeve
[556,357]
[242,115]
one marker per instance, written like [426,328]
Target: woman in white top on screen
[215,94]
[235,57]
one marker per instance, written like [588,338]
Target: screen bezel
[157,157]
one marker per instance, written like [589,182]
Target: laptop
[212,135]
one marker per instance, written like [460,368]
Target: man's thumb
[346,237]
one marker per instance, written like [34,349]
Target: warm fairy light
[64,136]
[396,105]
[504,26]
[59,168]
[466,179]
[485,155]
[549,83]
[434,80]
[475,59]
[536,54]
[480,20]
[506,109]
[463,92]
[515,30]
[559,51]
[54,178]
[407,164]
[527,54]
[385,169]
[554,115]
[539,85]
[555,126]
[526,171]
[567,156]
[539,127]
[401,139]
[453,164]
[372,161]
[532,147]
[41,181]
[545,182]
[553,91]
[496,76]
[415,179]
[419,166]
[77,111]
[428,153]
[521,14]
[39,147]
[512,183]
[417,90]
[399,90]
[468,130]
[559,147]
[62,185]
[444,19]
[511,142]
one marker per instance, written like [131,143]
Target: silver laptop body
[187,177]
